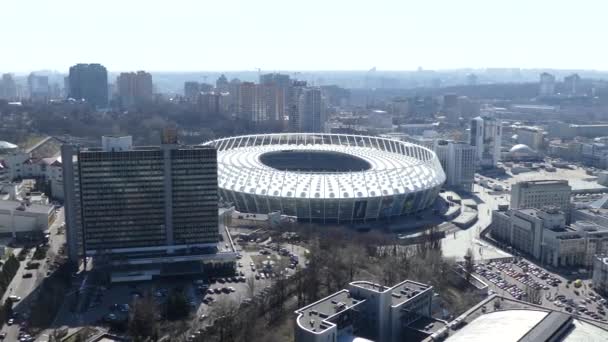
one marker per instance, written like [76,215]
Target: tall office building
[141,204]
[450,108]
[8,87]
[89,82]
[458,161]
[38,87]
[486,136]
[293,104]
[134,88]
[248,102]
[547,84]
[211,104]
[222,84]
[531,136]
[191,90]
[272,99]
[311,111]
[541,193]
[571,83]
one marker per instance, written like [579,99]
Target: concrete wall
[22,221]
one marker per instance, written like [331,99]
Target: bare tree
[469,264]
[225,312]
[251,286]
[533,295]
[142,319]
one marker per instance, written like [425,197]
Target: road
[455,245]
[23,287]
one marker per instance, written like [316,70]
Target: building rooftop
[511,324]
[400,293]
[409,168]
[32,208]
[321,315]
[314,317]
[516,320]
[407,290]
[544,181]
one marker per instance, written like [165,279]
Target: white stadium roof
[395,167]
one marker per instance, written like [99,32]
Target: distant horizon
[263,71]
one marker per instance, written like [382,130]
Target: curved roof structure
[511,325]
[5,145]
[522,149]
[267,172]
[396,168]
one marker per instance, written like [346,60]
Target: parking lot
[256,267]
[517,279]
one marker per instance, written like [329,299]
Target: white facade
[486,136]
[385,312]
[532,137]
[18,218]
[537,194]
[20,165]
[402,178]
[458,162]
[544,235]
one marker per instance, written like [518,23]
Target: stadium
[327,177]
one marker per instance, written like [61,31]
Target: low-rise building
[540,193]
[19,218]
[544,235]
[22,165]
[364,310]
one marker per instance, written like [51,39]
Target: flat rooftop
[400,293]
[370,286]
[405,291]
[32,208]
[314,316]
[578,179]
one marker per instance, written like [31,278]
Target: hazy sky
[304,35]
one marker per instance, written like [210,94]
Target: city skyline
[279,36]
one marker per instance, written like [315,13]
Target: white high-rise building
[458,161]
[486,137]
[547,84]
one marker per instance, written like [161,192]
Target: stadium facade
[327,177]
